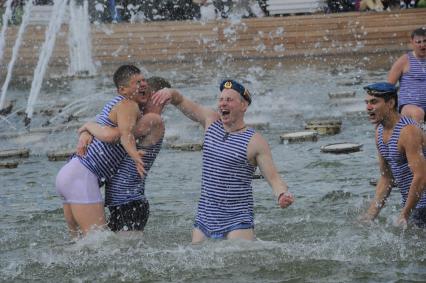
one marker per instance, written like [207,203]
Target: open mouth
[371,115]
[224,112]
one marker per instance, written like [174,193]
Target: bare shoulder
[412,135]
[258,143]
[402,63]
[211,117]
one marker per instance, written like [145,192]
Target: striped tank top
[127,185]
[397,161]
[412,85]
[102,158]
[226,192]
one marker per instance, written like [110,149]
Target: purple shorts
[77,184]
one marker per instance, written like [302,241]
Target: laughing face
[136,89]
[377,108]
[419,46]
[231,106]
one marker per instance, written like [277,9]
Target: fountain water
[45,53]
[15,50]
[5,21]
[79,40]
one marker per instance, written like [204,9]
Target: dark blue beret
[232,84]
[381,88]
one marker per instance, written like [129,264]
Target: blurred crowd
[373,5]
[154,10]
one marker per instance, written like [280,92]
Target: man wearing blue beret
[231,152]
[401,145]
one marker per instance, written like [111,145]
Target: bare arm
[203,115]
[127,115]
[259,154]
[397,69]
[412,142]
[383,190]
[101,132]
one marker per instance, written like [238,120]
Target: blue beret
[381,88]
[232,84]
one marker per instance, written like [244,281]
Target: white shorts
[77,184]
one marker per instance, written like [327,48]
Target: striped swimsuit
[226,201]
[103,159]
[413,84]
[127,185]
[398,162]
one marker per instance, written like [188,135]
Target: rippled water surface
[318,239]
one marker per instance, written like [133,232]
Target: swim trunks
[131,216]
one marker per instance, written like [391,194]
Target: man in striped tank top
[78,180]
[125,191]
[410,71]
[401,146]
[231,152]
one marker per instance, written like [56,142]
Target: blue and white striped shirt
[412,85]
[127,185]
[226,192]
[397,161]
[103,159]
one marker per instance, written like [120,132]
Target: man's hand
[365,218]
[139,164]
[285,199]
[84,140]
[162,97]
[402,221]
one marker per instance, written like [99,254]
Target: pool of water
[317,239]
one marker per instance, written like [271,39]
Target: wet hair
[123,75]
[157,83]
[418,32]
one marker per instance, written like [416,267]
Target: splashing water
[25,18]
[46,51]
[80,41]
[6,16]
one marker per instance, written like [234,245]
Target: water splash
[6,16]
[25,19]
[79,41]
[46,52]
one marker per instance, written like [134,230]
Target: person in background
[405,4]
[410,71]
[231,152]
[402,148]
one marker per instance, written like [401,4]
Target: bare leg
[413,112]
[245,234]
[89,216]
[197,236]
[72,224]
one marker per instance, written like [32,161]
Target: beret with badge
[232,84]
